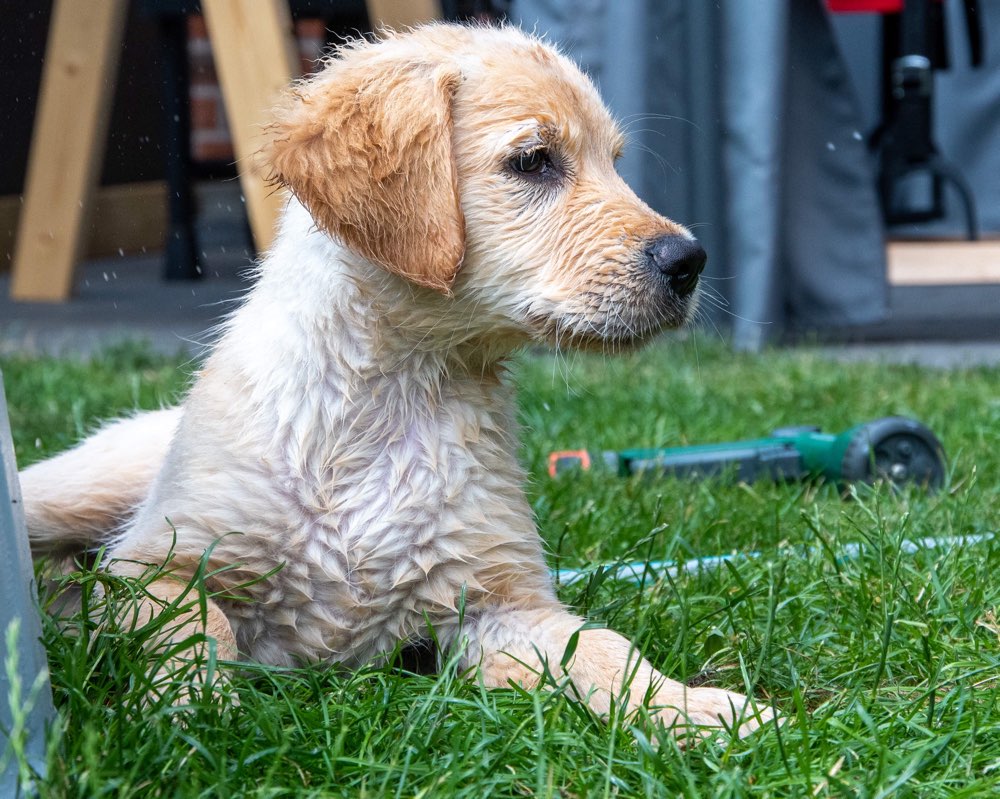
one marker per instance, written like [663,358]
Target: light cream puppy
[453,197]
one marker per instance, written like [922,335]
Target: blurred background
[839,159]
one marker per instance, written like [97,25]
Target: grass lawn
[886,665]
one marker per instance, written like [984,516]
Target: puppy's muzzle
[679,259]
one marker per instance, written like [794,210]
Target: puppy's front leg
[507,645]
[192,616]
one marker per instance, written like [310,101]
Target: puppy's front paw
[708,710]
[188,683]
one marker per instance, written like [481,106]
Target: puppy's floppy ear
[366,146]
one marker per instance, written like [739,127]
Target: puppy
[453,197]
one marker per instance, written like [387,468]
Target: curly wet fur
[348,450]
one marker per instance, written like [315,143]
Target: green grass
[886,666]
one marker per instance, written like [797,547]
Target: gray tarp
[744,127]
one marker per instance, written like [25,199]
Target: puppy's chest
[393,499]
[401,476]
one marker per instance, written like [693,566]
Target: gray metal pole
[753,97]
[25,694]
[703,101]
[623,81]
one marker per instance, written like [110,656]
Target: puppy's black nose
[680,259]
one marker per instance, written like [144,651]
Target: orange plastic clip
[580,457]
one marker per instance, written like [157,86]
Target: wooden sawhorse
[255,58]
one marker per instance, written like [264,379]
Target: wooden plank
[402,13]
[255,57]
[127,218]
[942,263]
[74,106]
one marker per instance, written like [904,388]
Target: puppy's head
[478,164]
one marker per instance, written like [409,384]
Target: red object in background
[865,6]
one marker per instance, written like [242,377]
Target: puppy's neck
[357,312]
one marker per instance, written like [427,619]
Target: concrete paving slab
[932,354]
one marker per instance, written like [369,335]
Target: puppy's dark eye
[533,162]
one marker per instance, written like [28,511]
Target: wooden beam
[255,57]
[74,106]
[940,263]
[402,13]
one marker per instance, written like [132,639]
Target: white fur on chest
[378,486]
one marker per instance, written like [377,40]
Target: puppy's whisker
[710,293]
[646,116]
[722,308]
[662,162]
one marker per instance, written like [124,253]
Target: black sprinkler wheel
[896,449]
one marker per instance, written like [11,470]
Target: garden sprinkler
[894,449]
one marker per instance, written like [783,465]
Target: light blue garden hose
[657,569]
